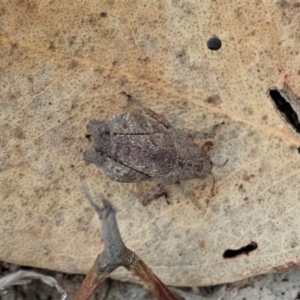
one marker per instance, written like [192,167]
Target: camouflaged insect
[135,146]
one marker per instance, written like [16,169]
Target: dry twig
[115,255]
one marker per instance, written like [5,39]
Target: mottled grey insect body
[135,146]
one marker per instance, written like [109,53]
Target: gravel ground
[284,285]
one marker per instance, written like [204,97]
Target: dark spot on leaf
[207,146]
[51,46]
[14,45]
[230,253]
[72,65]
[214,99]
[247,177]
[214,43]
[202,244]
[19,133]
[103,14]
[283,4]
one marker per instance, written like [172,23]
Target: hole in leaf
[282,102]
[230,253]
[214,43]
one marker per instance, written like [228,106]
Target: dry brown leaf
[65,62]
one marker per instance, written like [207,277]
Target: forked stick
[115,255]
